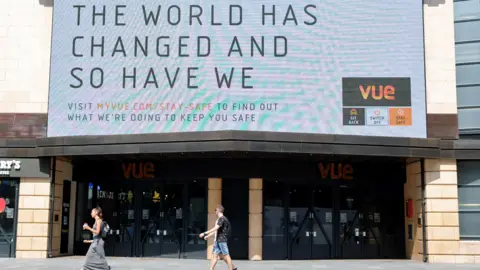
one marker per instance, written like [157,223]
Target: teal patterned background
[351,38]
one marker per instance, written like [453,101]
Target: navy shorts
[220,248]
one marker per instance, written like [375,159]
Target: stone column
[214,199]
[63,172]
[412,191]
[33,217]
[255,219]
[441,194]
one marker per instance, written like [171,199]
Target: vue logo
[376,92]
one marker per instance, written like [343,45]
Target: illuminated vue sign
[147,66]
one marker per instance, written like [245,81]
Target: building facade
[406,193]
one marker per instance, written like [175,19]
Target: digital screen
[351,67]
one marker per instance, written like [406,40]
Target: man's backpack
[105,229]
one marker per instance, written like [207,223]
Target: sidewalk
[154,263]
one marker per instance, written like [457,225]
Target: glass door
[275,245]
[359,230]
[310,222]
[8,205]
[299,225]
[322,223]
[196,219]
[169,225]
[173,219]
[106,196]
[123,223]
[152,214]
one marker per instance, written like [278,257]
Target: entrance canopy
[241,141]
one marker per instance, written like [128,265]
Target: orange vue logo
[378,92]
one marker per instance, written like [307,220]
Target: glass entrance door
[310,222]
[322,223]
[118,202]
[170,224]
[196,220]
[359,224]
[161,220]
[151,224]
[8,205]
[173,228]
[123,222]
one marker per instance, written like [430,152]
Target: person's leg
[215,254]
[226,255]
[222,257]
[213,261]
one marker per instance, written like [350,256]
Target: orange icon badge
[400,116]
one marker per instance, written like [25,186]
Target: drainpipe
[52,206]
[424,226]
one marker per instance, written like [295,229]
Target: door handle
[158,232]
[308,234]
[314,234]
[165,232]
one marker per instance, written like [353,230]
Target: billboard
[155,66]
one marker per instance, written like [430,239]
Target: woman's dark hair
[99,211]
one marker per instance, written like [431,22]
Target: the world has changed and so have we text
[123,67]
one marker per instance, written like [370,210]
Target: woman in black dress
[96,253]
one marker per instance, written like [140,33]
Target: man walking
[222,231]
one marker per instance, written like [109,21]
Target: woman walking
[96,253]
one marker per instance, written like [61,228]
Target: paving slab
[65,263]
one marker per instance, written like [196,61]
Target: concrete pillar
[412,191]
[214,199]
[33,217]
[442,222]
[441,213]
[255,219]
[63,172]
[34,212]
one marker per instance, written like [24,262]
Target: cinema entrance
[149,218]
[308,209]
[341,218]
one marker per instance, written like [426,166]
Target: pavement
[146,264]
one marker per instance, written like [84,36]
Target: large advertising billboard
[351,67]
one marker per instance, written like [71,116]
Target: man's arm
[212,230]
[208,235]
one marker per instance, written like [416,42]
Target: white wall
[440,57]
[25,38]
